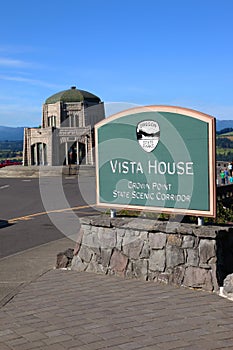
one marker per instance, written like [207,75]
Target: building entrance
[72,153]
[39,154]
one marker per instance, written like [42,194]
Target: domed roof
[72,95]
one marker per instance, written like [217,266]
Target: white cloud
[9,62]
[17,63]
[29,81]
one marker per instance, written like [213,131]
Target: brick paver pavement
[84,311]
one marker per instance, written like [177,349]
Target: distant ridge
[8,133]
[223,124]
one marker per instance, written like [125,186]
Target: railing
[225,194]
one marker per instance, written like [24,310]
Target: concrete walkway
[19,269]
[63,309]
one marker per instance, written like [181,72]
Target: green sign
[157,158]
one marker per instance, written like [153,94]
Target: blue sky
[173,52]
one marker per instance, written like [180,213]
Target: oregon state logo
[148,134]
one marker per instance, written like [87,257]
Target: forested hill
[8,133]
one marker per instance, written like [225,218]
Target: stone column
[86,149]
[90,150]
[42,154]
[77,146]
[66,153]
[36,154]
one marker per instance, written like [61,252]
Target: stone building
[66,133]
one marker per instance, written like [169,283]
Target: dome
[72,95]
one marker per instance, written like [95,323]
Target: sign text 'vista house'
[157,158]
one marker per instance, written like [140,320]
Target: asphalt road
[40,211]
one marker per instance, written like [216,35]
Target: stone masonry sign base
[170,252]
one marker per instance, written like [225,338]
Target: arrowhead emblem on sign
[148,134]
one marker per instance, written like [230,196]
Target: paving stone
[29,346]
[16,341]
[54,333]
[90,338]
[24,330]
[71,343]
[95,312]
[6,332]
[130,346]
[4,347]
[53,347]
[9,336]
[58,339]
[175,344]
